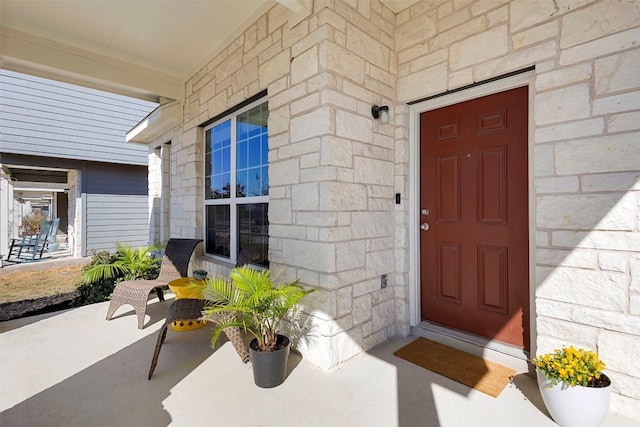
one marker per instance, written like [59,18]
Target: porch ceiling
[141,48]
[38,175]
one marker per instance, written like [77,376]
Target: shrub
[31,223]
[127,263]
[99,290]
[105,270]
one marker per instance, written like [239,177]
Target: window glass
[252,141]
[253,231]
[236,157]
[218,161]
[218,230]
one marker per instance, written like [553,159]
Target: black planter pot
[270,368]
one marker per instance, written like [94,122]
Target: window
[237,184]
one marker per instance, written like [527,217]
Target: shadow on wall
[589,238]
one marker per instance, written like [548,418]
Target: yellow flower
[570,365]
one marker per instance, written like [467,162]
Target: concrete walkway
[73,368]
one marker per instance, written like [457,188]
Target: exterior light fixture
[381,112]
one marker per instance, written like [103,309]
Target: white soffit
[159,121]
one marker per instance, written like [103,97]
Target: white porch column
[6,212]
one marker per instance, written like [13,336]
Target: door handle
[424,226]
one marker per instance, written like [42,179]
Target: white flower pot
[574,406]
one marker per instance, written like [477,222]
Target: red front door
[474,202]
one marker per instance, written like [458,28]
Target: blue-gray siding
[43,117]
[116,206]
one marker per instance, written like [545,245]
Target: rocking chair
[33,246]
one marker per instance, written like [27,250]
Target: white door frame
[501,85]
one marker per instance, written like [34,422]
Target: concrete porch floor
[73,368]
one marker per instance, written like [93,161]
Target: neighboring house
[63,151]
[530,194]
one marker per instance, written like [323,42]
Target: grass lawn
[36,284]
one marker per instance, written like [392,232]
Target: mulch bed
[32,307]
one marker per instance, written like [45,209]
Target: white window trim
[233,201]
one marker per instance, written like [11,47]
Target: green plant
[126,264]
[89,292]
[100,276]
[250,300]
[31,223]
[571,366]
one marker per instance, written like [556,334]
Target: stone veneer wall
[586,152]
[334,170]
[334,178]
[331,165]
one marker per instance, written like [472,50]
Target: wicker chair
[175,263]
[186,308]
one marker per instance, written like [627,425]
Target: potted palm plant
[249,299]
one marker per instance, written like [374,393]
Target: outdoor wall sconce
[381,112]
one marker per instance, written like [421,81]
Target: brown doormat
[473,371]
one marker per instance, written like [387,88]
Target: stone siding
[586,160]
[331,173]
[334,170]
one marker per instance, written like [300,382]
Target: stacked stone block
[331,168]
[585,153]
[334,170]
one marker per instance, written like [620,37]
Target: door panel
[492,188]
[474,186]
[492,279]
[448,188]
[449,265]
